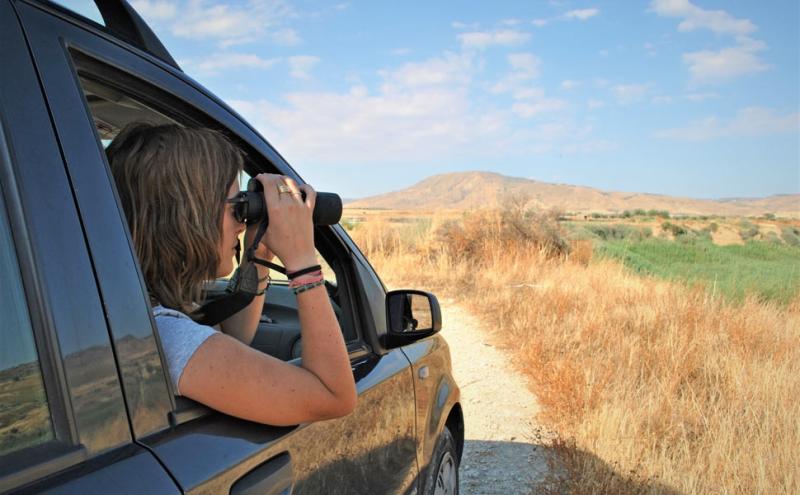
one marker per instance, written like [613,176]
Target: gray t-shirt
[180,338]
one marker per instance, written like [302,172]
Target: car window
[112,107]
[24,414]
[84,8]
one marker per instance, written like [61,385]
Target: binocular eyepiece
[249,206]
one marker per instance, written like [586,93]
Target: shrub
[675,229]
[791,235]
[512,229]
[748,231]
[618,232]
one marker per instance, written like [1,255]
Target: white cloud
[711,67]
[748,122]
[155,10]
[300,66]
[359,126]
[592,104]
[581,14]
[695,17]
[698,97]
[572,15]
[286,37]
[224,61]
[662,99]
[631,93]
[569,84]
[525,63]
[485,39]
[448,69]
[401,51]
[464,25]
[232,25]
[524,67]
[529,109]
[715,66]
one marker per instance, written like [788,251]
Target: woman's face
[231,228]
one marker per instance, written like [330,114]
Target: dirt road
[502,452]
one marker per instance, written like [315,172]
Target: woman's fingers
[290,234]
[311,195]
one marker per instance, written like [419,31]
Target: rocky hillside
[469,190]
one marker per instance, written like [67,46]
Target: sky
[690,98]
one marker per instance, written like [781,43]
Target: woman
[173,183]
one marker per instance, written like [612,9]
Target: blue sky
[676,97]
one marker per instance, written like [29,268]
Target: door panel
[66,305]
[370,451]
[145,384]
[92,450]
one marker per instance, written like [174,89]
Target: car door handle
[273,477]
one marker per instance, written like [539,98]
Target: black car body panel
[115,420]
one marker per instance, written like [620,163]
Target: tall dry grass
[653,387]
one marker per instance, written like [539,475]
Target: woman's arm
[231,377]
[244,324]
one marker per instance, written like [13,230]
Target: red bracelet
[305,280]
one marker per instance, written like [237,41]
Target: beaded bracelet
[264,290]
[306,287]
[305,279]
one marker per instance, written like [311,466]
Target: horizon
[729,198]
[695,99]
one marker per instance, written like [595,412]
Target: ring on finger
[283,188]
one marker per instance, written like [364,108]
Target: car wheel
[442,476]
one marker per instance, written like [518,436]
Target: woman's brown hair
[173,182]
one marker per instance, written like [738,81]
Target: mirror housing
[410,315]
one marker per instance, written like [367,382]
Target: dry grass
[653,387]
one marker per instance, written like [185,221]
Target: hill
[471,190]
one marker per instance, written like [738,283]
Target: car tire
[442,476]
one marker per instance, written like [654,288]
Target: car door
[370,451]
[63,420]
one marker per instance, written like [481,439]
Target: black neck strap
[241,289]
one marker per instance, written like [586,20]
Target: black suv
[85,403]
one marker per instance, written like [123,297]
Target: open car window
[114,104]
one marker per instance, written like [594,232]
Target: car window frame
[184,112]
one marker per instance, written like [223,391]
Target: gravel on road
[504,451]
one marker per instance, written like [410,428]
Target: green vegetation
[791,236]
[767,269]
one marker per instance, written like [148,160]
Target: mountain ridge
[483,189]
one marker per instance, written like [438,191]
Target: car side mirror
[410,316]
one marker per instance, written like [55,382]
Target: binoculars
[249,206]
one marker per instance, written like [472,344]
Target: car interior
[114,101]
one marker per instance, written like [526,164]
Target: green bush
[791,235]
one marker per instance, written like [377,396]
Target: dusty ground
[504,451]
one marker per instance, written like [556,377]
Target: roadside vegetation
[655,378]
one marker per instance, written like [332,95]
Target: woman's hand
[290,234]
[262,251]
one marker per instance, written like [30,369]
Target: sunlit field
[654,384]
